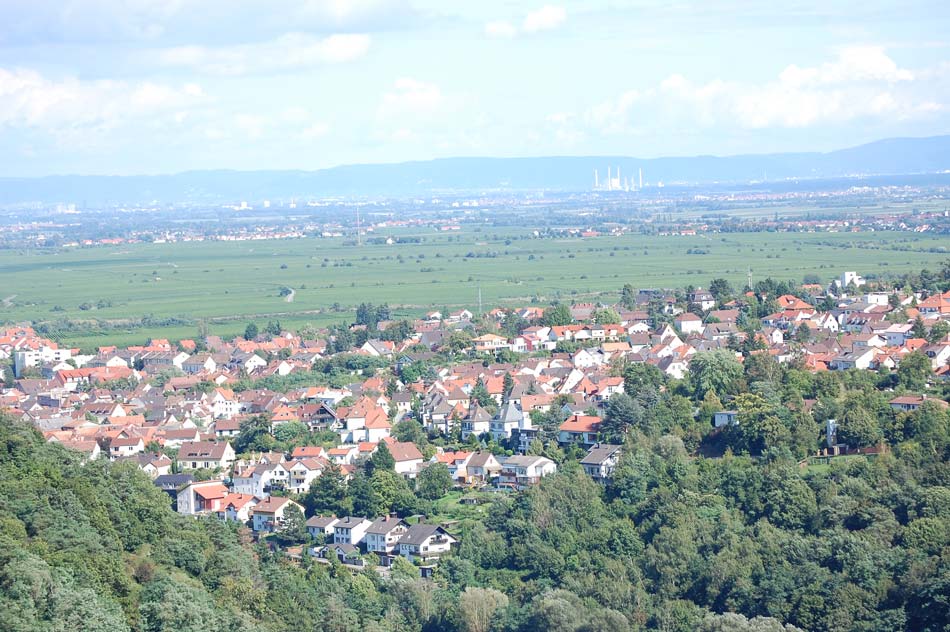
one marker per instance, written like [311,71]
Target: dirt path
[8,301]
[290,297]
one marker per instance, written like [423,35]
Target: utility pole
[750,279]
[359,231]
[479,300]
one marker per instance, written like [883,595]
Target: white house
[897,334]
[197,455]
[726,418]
[407,456]
[849,278]
[523,471]
[260,479]
[477,423]
[201,497]
[689,323]
[601,460]
[269,514]
[224,404]
[424,542]
[382,536]
[322,526]
[482,467]
[123,446]
[237,507]
[350,530]
[507,419]
[303,473]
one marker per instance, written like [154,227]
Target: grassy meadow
[226,284]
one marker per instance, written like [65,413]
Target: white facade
[29,358]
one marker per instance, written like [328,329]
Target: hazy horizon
[108,87]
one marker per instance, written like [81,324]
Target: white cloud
[860,82]
[544,19]
[315,131]
[251,124]
[410,97]
[559,118]
[170,22]
[295,114]
[30,99]
[500,29]
[402,135]
[287,52]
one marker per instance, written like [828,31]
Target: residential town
[496,401]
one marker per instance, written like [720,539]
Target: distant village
[579,214]
[479,385]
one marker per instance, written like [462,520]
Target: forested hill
[478,174]
[673,544]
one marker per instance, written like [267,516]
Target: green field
[229,283]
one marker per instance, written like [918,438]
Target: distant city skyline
[110,87]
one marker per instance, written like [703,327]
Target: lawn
[228,283]
[450,509]
[823,468]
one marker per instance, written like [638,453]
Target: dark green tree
[294,528]
[434,481]
[914,371]
[622,413]
[366,501]
[410,430]
[628,297]
[327,494]
[508,384]
[717,371]
[640,375]
[382,459]
[721,290]
[254,435]
[557,316]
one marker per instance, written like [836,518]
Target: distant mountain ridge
[895,156]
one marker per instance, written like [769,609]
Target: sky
[163,86]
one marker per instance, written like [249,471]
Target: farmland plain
[226,284]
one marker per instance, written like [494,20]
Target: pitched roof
[581,423]
[419,533]
[404,451]
[201,450]
[480,459]
[272,504]
[211,490]
[385,524]
[600,453]
[322,522]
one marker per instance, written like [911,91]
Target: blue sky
[157,86]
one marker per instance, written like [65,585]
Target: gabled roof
[348,522]
[481,459]
[307,451]
[403,451]
[211,490]
[322,522]
[272,504]
[201,450]
[237,501]
[419,533]
[600,453]
[510,413]
[385,525]
[581,423]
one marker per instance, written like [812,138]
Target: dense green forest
[750,541]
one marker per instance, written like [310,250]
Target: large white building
[30,358]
